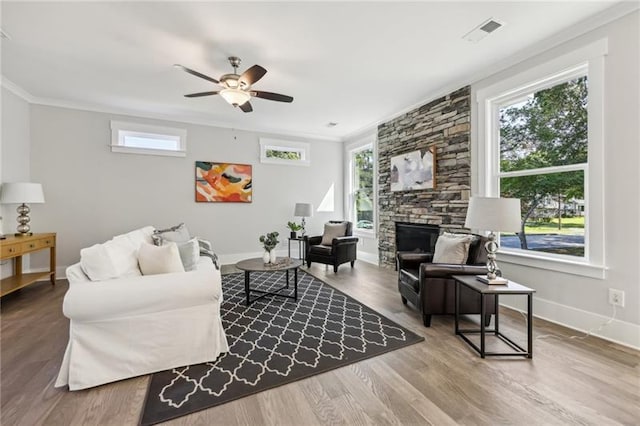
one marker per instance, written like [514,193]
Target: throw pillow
[189,254]
[331,231]
[115,258]
[452,248]
[176,234]
[159,259]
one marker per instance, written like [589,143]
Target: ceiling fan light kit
[235,97]
[237,88]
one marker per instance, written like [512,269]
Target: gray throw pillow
[331,231]
[189,254]
[176,234]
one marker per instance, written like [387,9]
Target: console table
[14,248]
[483,289]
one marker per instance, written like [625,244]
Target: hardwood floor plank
[440,381]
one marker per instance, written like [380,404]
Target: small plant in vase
[269,242]
[294,227]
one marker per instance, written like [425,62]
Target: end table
[471,282]
[301,248]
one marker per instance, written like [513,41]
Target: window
[135,138]
[284,152]
[362,191]
[543,149]
[540,139]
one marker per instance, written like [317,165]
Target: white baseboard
[620,332]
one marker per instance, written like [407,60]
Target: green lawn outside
[570,226]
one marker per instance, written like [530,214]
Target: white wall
[578,301]
[93,194]
[14,150]
[14,160]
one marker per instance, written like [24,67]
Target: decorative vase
[272,256]
[294,234]
[266,257]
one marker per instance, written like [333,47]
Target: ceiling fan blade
[197,95]
[252,75]
[271,96]
[246,107]
[196,73]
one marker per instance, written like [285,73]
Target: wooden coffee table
[257,265]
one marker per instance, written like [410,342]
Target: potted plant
[269,242]
[294,227]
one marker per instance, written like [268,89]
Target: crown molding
[15,89]
[605,17]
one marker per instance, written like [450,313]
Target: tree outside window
[543,161]
[363,195]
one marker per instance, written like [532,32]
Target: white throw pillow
[331,231]
[163,259]
[189,253]
[116,258]
[452,248]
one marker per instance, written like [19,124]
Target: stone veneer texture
[445,123]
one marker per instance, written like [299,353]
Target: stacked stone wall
[444,123]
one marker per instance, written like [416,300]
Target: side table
[14,247]
[301,248]
[482,289]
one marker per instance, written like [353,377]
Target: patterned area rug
[273,342]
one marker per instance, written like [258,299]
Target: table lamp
[303,210]
[22,193]
[493,215]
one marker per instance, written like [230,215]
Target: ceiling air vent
[482,30]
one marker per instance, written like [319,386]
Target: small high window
[284,152]
[135,138]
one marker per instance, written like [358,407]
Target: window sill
[147,151]
[566,266]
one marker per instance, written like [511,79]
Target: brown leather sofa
[430,288]
[342,249]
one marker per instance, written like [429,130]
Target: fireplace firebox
[416,237]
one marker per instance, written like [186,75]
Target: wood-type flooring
[440,381]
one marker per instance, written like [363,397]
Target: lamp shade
[303,210]
[493,214]
[21,192]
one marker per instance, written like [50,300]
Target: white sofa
[135,325]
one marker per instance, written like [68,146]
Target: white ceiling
[350,63]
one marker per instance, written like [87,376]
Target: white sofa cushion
[189,253]
[163,259]
[117,257]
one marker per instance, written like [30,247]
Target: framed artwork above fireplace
[413,170]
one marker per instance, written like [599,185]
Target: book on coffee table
[495,281]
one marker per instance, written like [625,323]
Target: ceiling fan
[237,88]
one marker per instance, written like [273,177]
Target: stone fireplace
[445,124]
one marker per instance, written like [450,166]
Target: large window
[543,143]
[362,191]
[540,139]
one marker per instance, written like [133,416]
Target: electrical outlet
[616,297]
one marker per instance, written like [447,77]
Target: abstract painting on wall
[413,170]
[223,182]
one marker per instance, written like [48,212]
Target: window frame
[352,150]
[589,61]
[121,129]
[303,148]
